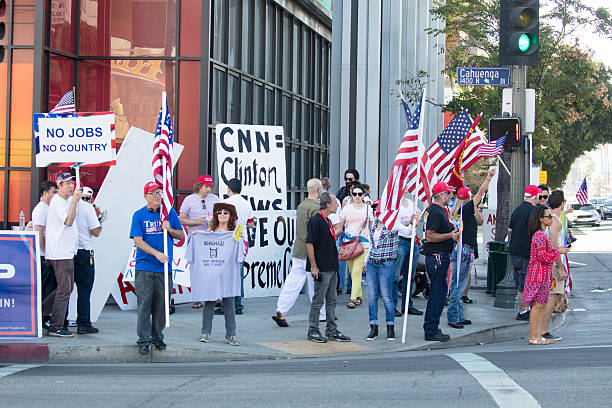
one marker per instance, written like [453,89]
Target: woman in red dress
[539,274]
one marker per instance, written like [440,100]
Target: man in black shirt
[470,218]
[351,176]
[520,244]
[440,238]
[323,265]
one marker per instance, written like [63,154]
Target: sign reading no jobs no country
[483,76]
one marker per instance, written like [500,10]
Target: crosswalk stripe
[504,390]
[12,369]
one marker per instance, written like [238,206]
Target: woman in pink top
[539,274]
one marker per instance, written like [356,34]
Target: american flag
[66,104]
[583,194]
[437,162]
[162,149]
[406,156]
[491,149]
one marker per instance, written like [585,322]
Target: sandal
[197,305]
[351,304]
[358,301]
[539,341]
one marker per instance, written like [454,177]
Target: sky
[601,46]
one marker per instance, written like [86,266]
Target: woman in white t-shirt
[356,219]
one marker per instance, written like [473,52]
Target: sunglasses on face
[549,216]
[223,213]
[357,194]
[348,179]
[86,198]
[543,197]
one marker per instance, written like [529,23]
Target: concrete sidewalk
[259,335]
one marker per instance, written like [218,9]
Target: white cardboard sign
[256,156]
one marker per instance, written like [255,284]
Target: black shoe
[160,346]
[280,321]
[390,332]
[172,307]
[466,300]
[552,337]
[87,330]
[238,312]
[63,332]
[523,316]
[397,313]
[466,322]
[437,337]
[218,311]
[316,337]
[144,349]
[446,304]
[373,332]
[337,336]
[339,291]
[455,325]
[414,311]
[46,326]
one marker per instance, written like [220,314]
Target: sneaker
[523,316]
[466,300]
[552,337]
[232,340]
[60,333]
[373,332]
[390,332]
[205,338]
[87,330]
[316,337]
[144,349]
[46,326]
[337,336]
[71,323]
[160,345]
[437,337]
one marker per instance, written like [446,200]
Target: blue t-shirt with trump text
[148,225]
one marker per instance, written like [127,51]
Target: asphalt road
[575,372]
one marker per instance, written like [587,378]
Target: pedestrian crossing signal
[510,126]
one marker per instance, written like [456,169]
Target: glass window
[306,137]
[219,29]
[191,28]
[297,57]
[286,112]
[247,37]
[188,130]
[2,172]
[258,111]
[286,54]
[316,121]
[270,41]
[19,188]
[258,37]
[325,74]
[295,119]
[61,32]
[3,88]
[325,127]
[219,97]
[20,147]
[317,164]
[23,25]
[317,69]
[61,79]
[269,104]
[234,34]
[233,99]
[246,102]
[307,63]
[128,28]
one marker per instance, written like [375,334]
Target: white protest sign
[120,195]
[256,156]
[81,139]
[488,228]
[269,261]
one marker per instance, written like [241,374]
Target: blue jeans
[401,267]
[455,306]
[437,269]
[380,281]
[342,267]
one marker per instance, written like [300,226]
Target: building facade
[220,61]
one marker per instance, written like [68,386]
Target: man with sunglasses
[196,208]
[543,196]
[351,176]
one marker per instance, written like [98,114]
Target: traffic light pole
[513,190]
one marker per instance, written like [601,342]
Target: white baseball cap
[87,191]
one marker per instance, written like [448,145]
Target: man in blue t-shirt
[148,234]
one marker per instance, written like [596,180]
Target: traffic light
[502,125]
[519,32]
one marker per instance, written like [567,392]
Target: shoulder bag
[353,248]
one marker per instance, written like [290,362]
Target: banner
[80,138]
[19,284]
[269,261]
[256,156]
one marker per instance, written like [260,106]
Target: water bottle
[21,221]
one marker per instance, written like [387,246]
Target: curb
[61,354]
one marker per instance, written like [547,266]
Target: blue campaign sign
[19,284]
[483,76]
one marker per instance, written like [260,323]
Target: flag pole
[503,164]
[166,289]
[412,221]
[460,242]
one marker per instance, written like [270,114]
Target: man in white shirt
[88,226]
[39,221]
[61,245]
[246,219]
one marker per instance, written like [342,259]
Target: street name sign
[483,76]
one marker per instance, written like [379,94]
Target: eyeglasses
[203,204]
[348,179]
[543,197]
[155,193]
[223,213]
[86,198]
[549,216]
[357,194]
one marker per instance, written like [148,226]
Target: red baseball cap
[151,186]
[531,191]
[464,193]
[441,186]
[206,180]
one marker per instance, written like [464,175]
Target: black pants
[84,274]
[47,278]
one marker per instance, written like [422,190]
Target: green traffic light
[524,42]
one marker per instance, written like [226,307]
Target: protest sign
[269,261]
[19,284]
[78,138]
[256,156]
[488,228]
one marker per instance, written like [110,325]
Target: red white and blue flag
[162,157]
[407,155]
[66,104]
[492,149]
[582,196]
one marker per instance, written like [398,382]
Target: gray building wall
[374,44]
